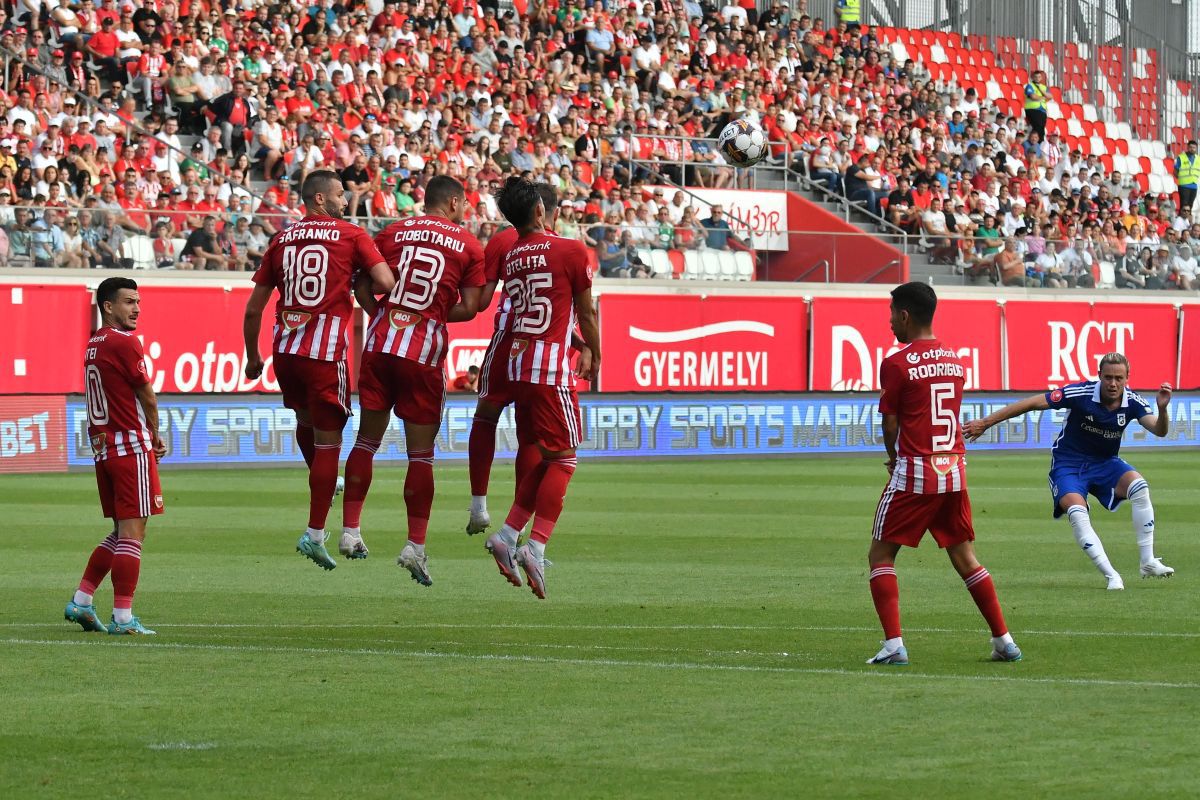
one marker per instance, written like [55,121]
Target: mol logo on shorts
[401,319]
[518,347]
[293,320]
[99,444]
[158,501]
[943,465]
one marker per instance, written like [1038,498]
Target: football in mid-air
[742,143]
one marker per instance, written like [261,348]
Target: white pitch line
[608,662]
[623,627]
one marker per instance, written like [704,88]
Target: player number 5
[943,418]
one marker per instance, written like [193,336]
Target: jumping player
[123,430]
[922,393]
[439,270]
[550,285]
[494,389]
[313,265]
[1084,458]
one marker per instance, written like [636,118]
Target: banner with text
[852,336]
[33,434]
[46,329]
[689,343]
[247,430]
[763,214]
[1189,358]
[1053,344]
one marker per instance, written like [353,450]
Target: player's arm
[365,295]
[383,281]
[486,293]
[891,435]
[975,428]
[1159,423]
[467,306]
[251,325]
[149,402]
[585,312]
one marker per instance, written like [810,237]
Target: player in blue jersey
[1084,458]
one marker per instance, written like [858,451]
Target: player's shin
[481,451]
[306,442]
[1143,519]
[98,566]
[885,593]
[983,592]
[126,567]
[529,456]
[359,471]
[418,495]
[548,506]
[1089,542]
[322,483]
[524,504]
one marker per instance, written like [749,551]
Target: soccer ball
[742,143]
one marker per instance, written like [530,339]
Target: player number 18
[943,417]
[304,271]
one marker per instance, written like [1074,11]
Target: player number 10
[532,312]
[943,417]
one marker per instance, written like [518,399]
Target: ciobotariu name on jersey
[938,369]
[400,319]
[294,320]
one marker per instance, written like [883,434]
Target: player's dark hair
[517,200]
[918,299]
[441,189]
[319,182]
[549,197]
[109,288]
[1113,358]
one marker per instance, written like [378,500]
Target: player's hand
[891,465]
[254,367]
[583,366]
[1164,395]
[973,429]
[159,447]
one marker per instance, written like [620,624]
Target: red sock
[481,451]
[306,443]
[322,483]
[359,469]
[983,592]
[418,493]
[526,499]
[528,458]
[551,494]
[98,564]
[126,565]
[886,594]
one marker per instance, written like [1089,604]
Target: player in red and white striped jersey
[494,387]
[922,388]
[123,430]
[439,270]
[313,264]
[550,284]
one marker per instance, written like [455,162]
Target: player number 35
[531,310]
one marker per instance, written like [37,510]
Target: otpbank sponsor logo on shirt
[694,343]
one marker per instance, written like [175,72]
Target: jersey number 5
[420,271]
[943,418]
[532,311]
[304,270]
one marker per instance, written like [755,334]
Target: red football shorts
[416,392]
[903,518]
[494,386]
[129,487]
[547,415]
[321,387]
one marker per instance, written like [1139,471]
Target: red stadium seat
[1143,181]
[676,263]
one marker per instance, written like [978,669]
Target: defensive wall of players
[690,370]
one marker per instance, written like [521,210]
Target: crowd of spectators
[601,98]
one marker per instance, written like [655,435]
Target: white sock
[479,504]
[82,598]
[1085,535]
[123,615]
[355,532]
[1143,519]
[420,548]
[538,548]
[1000,641]
[316,535]
[892,645]
[509,534]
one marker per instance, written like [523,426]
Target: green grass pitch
[704,637]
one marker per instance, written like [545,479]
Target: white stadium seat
[710,261]
[660,263]
[745,265]
[691,264]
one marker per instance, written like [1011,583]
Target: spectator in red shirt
[103,46]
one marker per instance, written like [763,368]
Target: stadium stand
[127,122]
